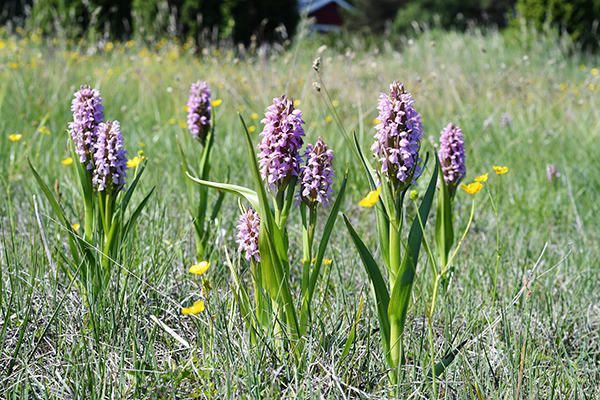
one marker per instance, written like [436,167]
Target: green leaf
[379,287]
[401,292]
[352,334]
[59,211]
[136,213]
[383,225]
[444,234]
[441,366]
[241,191]
[325,238]
[125,202]
[272,249]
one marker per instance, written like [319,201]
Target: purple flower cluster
[87,115]
[281,141]
[452,155]
[109,158]
[315,177]
[247,236]
[397,141]
[199,110]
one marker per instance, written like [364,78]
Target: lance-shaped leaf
[383,226]
[444,234]
[352,334]
[401,292]
[274,260]
[382,296]
[241,191]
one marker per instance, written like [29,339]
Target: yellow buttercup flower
[312,261]
[195,309]
[254,116]
[75,226]
[335,103]
[500,170]
[327,261]
[328,118]
[482,178]
[251,129]
[200,268]
[217,103]
[472,188]
[135,161]
[370,199]
[45,130]
[67,161]
[14,137]
[296,103]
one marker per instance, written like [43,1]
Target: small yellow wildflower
[314,124]
[302,260]
[327,261]
[376,121]
[2,45]
[135,161]
[472,188]
[172,121]
[14,137]
[12,65]
[594,71]
[500,170]
[142,144]
[217,102]
[108,46]
[242,108]
[254,116]
[67,161]
[370,199]
[413,195]
[251,129]
[183,124]
[45,130]
[329,118]
[195,309]
[75,226]
[582,67]
[201,268]
[482,178]
[297,103]
[335,103]
[591,86]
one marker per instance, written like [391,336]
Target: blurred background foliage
[259,21]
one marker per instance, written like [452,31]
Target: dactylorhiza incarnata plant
[102,172]
[282,179]
[453,171]
[396,154]
[201,125]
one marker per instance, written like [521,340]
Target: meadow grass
[523,100]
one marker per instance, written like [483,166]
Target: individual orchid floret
[109,158]
[452,156]
[315,176]
[281,141]
[247,237]
[398,137]
[199,110]
[87,115]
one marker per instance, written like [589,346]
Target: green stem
[396,329]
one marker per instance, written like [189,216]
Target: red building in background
[326,13]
